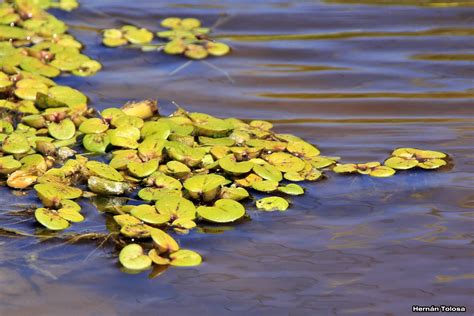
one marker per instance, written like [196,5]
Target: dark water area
[356,78]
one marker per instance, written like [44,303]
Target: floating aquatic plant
[185,37]
[374,169]
[181,171]
[407,158]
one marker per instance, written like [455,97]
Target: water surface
[357,78]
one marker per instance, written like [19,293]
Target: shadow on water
[357,78]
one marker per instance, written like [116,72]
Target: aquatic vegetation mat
[153,176]
[185,37]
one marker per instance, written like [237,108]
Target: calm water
[357,80]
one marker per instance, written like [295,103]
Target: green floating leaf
[96,143]
[272,203]
[51,194]
[163,242]
[176,208]
[16,143]
[103,170]
[291,189]
[132,257]
[285,162]
[149,215]
[62,130]
[223,211]
[268,172]
[206,186]
[229,164]
[142,169]
[51,219]
[93,126]
[185,258]
[265,185]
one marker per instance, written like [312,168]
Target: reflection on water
[358,81]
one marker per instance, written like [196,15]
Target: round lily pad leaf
[132,257]
[177,169]
[151,148]
[138,36]
[285,162]
[16,143]
[272,203]
[27,89]
[68,60]
[149,215]
[229,164]
[93,126]
[163,242]
[70,215]
[185,258]
[124,136]
[163,181]
[126,219]
[223,211]
[73,98]
[37,67]
[154,194]
[195,51]
[114,42]
[235,194]
[127,120]
[175,47]
[265,185]
[190,23]
[103,170]
[223,141]
[111,113]
[321,162]
[142,169]
[176,208]
[190,156]
[62,130]
[248,181]
[345,168]
[268,172]
[51,194]
[159,130]
[400,163]
[183,223]
[140,230]
[50,219]
[96,143]
[429,154]
[382,172]
[217,49]
[432,163]
[171,22]
[157,259]
[70,205]
[87,68]
[302,149]
[268,145]
[206,186]
[291,189]
[8,164]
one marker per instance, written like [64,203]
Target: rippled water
[355,78]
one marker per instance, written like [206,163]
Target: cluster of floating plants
[185,37]
[172,173]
